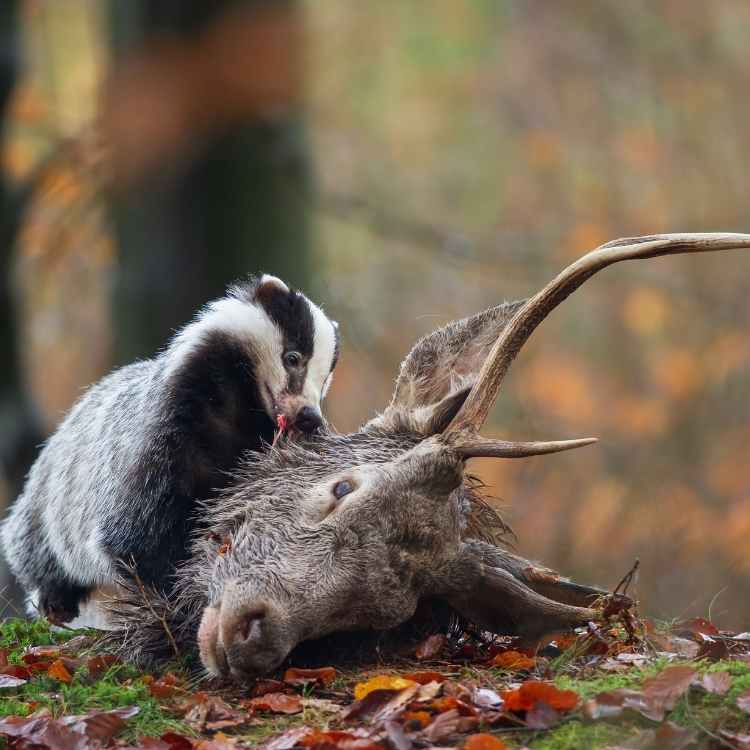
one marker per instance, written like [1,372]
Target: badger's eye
[292,359]
[342,488]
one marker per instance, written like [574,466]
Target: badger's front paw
[61,603]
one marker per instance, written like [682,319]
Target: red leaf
[513,660]
[277,703]
[3,657]
[176,741]
[533,692]
[40,654]
[695,626]
[164,687]
[58,671]
[431,647]
[98,665]
[21,673]
[267,686]
[323,676]
[484,742]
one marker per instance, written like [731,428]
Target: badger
[116,486]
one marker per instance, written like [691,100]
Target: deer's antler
[463,431]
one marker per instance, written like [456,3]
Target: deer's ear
[437,374]
[427,420]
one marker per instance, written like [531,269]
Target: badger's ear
[437,374]
[268,287]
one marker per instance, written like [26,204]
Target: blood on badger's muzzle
[296,413]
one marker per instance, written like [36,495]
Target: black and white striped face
[282,345]
[301,348]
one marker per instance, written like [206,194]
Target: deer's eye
[342,488]
[292,359]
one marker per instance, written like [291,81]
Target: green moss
[575,735]
[120,686]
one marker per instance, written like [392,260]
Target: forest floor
[672,686]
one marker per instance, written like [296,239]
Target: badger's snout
[243,639]
[308,419]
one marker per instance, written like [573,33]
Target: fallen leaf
[8,681]
[442,727]
[277,703]
[513,660]
[203,712]
[14,670]
[424,678]
[431,646]
[176,741]
[378,705]
[532,692]
[611,703]
[737,741]
[381,682]
[35,654]
[267,686]
[542,716]
[484,742]
[664,690]
[287,740]
[325,740]
[58,671]
[421,718]
[743,701]
[716,682]
[486,698]
[3,657]
[397,738]
[90,730]
[165,687]
[698,625]
[323,676]
[98,665]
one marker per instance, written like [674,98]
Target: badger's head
[265,348]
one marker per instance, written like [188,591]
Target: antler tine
[469,419]
[480,447]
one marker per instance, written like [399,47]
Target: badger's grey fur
[120,478]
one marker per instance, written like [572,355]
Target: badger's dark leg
[60,601]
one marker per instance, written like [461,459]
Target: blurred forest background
[408,163]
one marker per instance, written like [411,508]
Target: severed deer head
[351,531]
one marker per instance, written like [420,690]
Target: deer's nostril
[249,625]
[308,419]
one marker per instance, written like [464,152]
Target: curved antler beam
[475,409]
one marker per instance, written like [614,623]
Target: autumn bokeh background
[463,152]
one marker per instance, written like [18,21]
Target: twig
[627,579]
[151,609]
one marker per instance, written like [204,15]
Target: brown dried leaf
[98,665]
[379,705]
[611,703]
[397,738]
[443,726]
[14,670]
[3,657]
[323,676]
[431,646]
[288,740]
[277,703]
[743,701]
[664,690]
[716,682]
[425,678]
[696,626]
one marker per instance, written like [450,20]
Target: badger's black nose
[308,419]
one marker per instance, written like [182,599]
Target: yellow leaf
[381,682]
